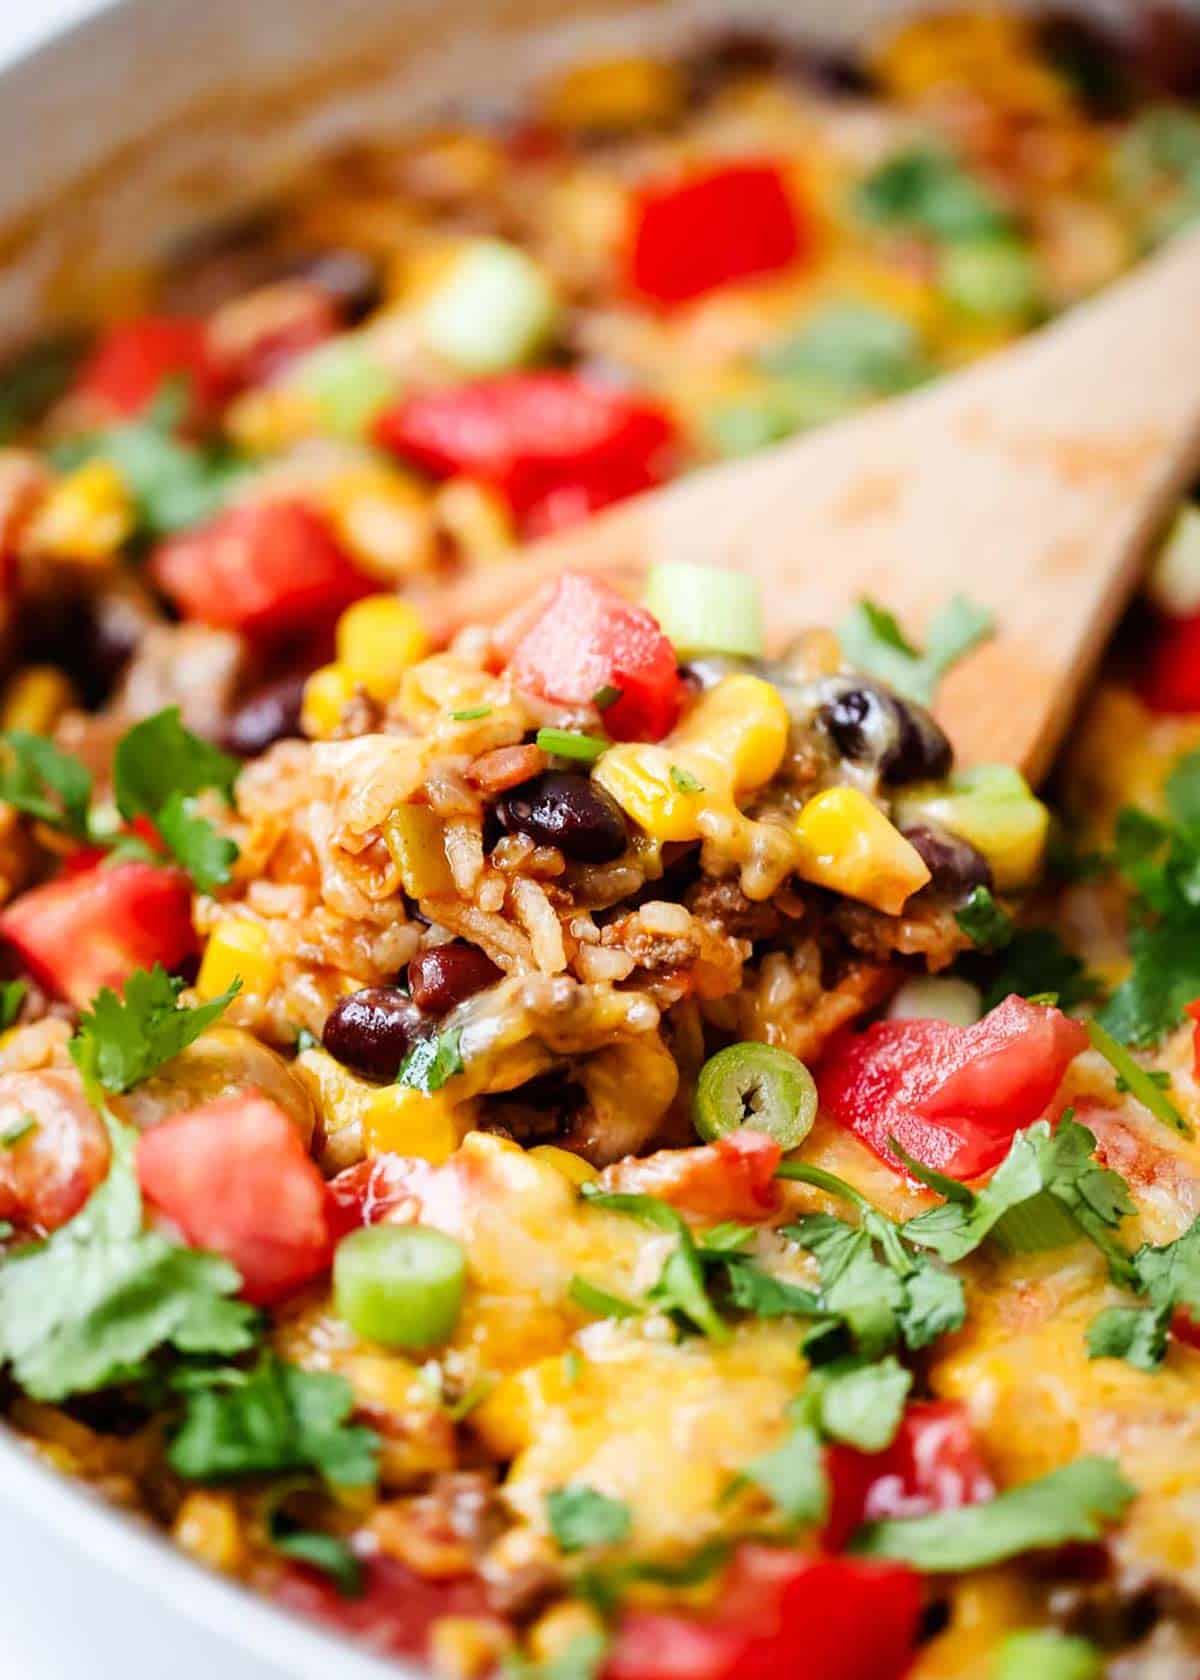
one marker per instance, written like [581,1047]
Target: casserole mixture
[586,1152]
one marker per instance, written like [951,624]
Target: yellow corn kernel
[741,725]
[383,518]
[516,1410]
[615,93]
[237,949]
[573,1167]
[35,698]
[663,791]
[377,640]
[467,1647]
[399,1120]
[327,693]
[560,1627]
[416,839]
[86,517]
[475,518]
[271,418]
[207,1526]
[849,845]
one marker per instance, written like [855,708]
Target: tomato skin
[1171,680]
[733,1178]
[934,1464]
[782,1614]
[268,569]
[234,1175]
[555,446]
[95,927]
[712,227]
[131,363]
[587,637]
[953,1097]
[396,1609]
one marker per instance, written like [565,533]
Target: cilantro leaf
[328,1553]
[793,1477]
[12,996]
[681,1287]
[858,1403]
[873,641]
[599,1302]
[1067,1505]
[926,190]
[84,1309]
[36,777]
[753,1290]
[1168,1275]
[986,924]
[1036,961]
[207,855]
[432,1061]
[272,1418]
[581,1516]
[1135,1079]
[158,770]
[122,1040]
[1138,1335]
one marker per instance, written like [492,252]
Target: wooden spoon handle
[1032,483]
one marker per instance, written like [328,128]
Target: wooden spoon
[1033,483]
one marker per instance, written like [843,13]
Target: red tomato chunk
[395,1611]
[713,227]
[934,1464]
[131,364]
[1171,682]
[234,1175]
[48,1174]
[94,928]
[953,1097]
[587,638]
[555,446]
[782,1614]
[270,570]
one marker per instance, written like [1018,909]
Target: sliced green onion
[494,310]
[572,743]
[349,386]
[469,713]
[401,1285]
[12,1135]
[1043,1654]
[599,1302]
[702,609]
[755,1085]
[1137,1081]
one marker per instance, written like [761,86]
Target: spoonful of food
[1031,486]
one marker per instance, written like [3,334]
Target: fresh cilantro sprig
[12,996]
[41,780]
[319,1549]
[1168,1276]
[872,640]
[87,1308]
[986,924]
[122,1040]
[432,1061]
[1071,1504]
[1036,962]
[159,769]
[681,1289]
[581,1517]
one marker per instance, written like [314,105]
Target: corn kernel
[663,791]
[35,698]
[559,1628]
[207,1526]
[416,839]
[573,1167]
[400,1120]
[467,1647]
[86,517]
[378,639]
[849,845]
[237,949]
[475,518]
[742,726]
[517,1409]
[272,418]
[327,693]
[383,518]
[615,94]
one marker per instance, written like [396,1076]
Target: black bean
[271,713]
[564,809]
[1093,59]
[444,975]
[870,725]
[373,1030]
[954,865]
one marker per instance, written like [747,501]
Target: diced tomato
[132,362]
[47,1174]
[93,929]
[395,1611]
[1171,678]
[730,222]
[269,569]
[587,638]
[733,1178]
[783,1614]
[234,1175]
[370,1190]
[934,1464]
[952,1096]
[556,446]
